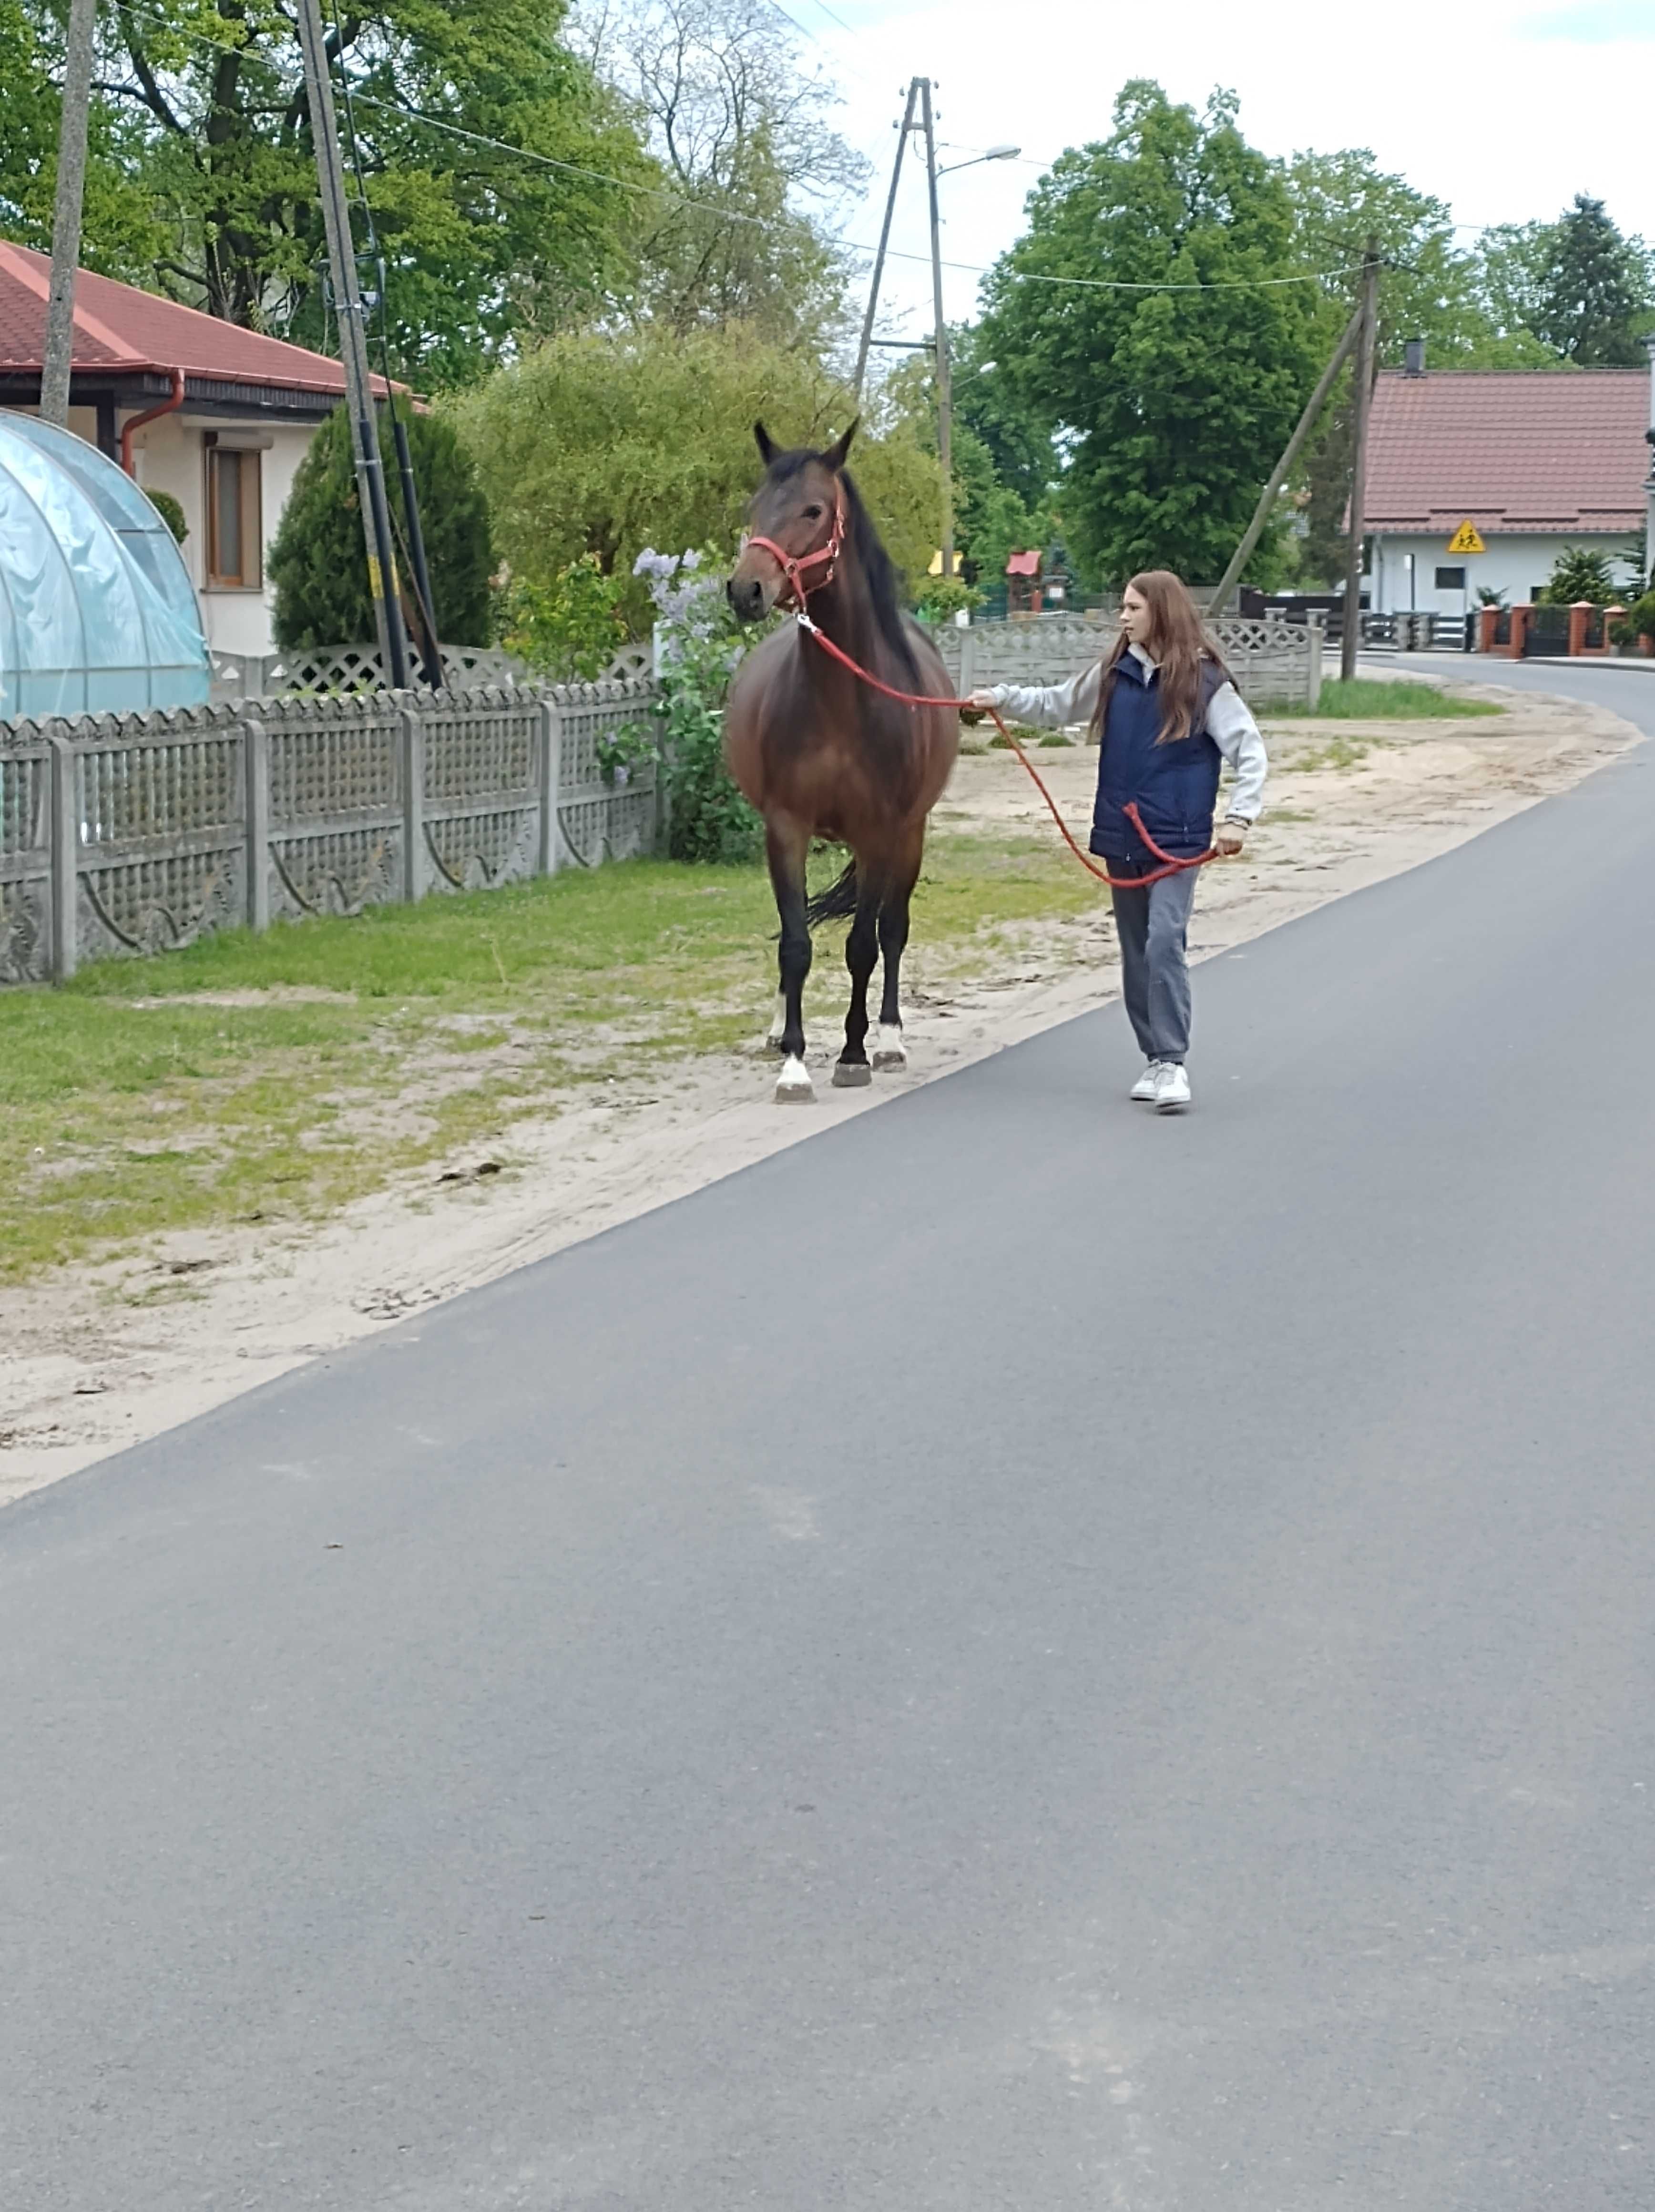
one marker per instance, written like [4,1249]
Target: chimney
[1413,357]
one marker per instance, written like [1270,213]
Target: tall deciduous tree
[1173,403]
[1429,289]
[743,130]
[1579,286]
[608,443]
[208,99]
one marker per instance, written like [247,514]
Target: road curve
[1015,1655]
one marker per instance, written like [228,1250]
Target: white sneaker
[1171,1087]
[1143,1090]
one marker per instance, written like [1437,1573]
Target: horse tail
[837,902]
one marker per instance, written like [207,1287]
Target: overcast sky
[1504,112]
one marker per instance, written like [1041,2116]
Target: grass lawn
[1372,698]
[262,1077]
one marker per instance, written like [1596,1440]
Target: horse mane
[883,576]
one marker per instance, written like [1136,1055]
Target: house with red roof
[218,417]
[1533,460]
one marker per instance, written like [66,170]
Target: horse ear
[767,444]
[838,453]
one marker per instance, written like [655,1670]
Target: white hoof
[778,1021]
[890,1051]
[793,1085]
[851,1075]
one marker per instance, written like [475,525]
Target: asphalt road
[1016,1655]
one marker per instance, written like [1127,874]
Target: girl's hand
[1228,839]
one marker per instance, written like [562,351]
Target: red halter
[793,568]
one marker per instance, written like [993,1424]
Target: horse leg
[785,846]
[890,1051]
[852,1070]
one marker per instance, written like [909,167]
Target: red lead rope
[1170,865]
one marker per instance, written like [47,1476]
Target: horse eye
[813,514]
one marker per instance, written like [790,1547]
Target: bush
[608,442]
[569,629]
[940,598]
[1639,622]
[170,513]
[1579,574]
[698,650]
[318,561]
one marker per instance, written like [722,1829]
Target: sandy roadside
[100,1358]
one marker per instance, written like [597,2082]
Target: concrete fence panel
[138,834]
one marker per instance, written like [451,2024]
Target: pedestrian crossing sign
[1465,539]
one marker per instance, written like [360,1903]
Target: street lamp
[994,154]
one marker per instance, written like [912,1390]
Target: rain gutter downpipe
[135,422]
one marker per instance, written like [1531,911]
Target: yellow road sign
[1466,540]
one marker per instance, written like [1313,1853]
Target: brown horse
[820,754]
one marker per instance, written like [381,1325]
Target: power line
[759,222]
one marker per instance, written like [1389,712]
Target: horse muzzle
[750,601]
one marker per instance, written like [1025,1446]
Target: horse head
[798,535]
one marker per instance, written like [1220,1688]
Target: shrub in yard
[319,561]
[698,649]
[170,513]
[940,598]
[569,629]
[1580,574]
[1639,622]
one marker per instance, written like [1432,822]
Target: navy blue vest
[1175,786]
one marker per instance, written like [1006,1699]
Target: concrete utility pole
[1352,597]
[884,240]
[353,351]
[944,394]
[57,359]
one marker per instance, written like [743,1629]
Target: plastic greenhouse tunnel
[97,611]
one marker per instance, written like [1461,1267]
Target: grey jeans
[1152,925]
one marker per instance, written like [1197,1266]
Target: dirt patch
[100,1358]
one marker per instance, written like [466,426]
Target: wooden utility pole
[1261,514]
[944,394]
[353,351]
[1369,315]
[58,356]
[884,240]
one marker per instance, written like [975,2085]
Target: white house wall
[1515,566]
[169,455]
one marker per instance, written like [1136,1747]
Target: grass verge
[278,1077]
[1373,699]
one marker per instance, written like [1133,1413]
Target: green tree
[1428,289]
[120,231]
[1578,287]
[206,100]
[609,443]
[1172,404]
[1580,571]
[742,130]
[318,562]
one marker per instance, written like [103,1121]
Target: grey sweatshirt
[1229,725]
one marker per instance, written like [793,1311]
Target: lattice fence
[1275,664]
[137,833]
[352,671]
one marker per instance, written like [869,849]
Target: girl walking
[1168,717]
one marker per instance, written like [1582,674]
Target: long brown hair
[1178,643]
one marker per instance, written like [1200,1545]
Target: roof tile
[1513,451]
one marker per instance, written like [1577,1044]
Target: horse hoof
[793,1085]
[890,1052]
[851,1075]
